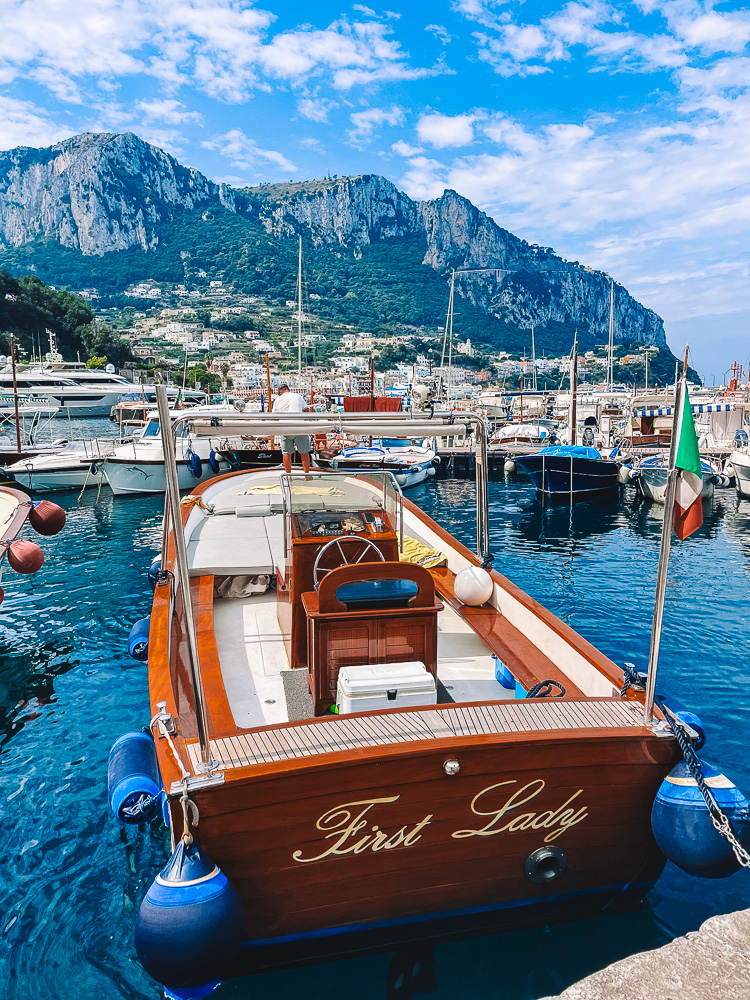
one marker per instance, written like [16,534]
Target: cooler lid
[375,678]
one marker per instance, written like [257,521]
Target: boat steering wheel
[337,543]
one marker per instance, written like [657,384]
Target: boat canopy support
[391,425]
[394,425]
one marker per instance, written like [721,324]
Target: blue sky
[617,133]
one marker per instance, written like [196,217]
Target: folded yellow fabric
[414,551]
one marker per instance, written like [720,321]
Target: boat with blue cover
[573,471]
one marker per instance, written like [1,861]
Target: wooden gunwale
[20,514]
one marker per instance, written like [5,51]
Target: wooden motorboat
[474,802]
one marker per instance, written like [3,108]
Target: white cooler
[371,687]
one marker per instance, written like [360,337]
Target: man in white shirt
[293,402]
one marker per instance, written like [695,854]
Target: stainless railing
[273,424]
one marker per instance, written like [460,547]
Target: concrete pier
[712,963]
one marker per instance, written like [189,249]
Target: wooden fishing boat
[476,802]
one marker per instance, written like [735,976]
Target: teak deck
[353,732]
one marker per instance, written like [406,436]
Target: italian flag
[688,512]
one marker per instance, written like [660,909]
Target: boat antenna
[573,388]
[15,392]
[450,341]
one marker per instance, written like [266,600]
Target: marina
[373,573]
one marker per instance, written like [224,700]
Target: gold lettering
[343,824]
[561,818]
[416,833]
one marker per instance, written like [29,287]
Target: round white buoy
[623,475]
[510,465]
[401,479]
[431,471]
[473,586]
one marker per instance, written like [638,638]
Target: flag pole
[664,550]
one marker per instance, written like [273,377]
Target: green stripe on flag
[687,456]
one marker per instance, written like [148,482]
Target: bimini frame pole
[173,511]
[664,550]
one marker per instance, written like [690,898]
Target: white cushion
[227,546]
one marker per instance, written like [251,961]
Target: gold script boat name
[349,828]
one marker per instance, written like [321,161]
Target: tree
[103,341]
[95,362]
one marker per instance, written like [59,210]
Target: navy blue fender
[133,780]
[138,639]
[682,825]
[189,925]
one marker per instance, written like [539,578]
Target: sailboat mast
[573,389]
[15,391]
[450,339]
[611,345]
[299,312]
[533,358]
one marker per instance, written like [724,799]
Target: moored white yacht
[138,466]
[77,465]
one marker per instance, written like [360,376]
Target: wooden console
[339,637]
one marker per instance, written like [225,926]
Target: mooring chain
[718,817]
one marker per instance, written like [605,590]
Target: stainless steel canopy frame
[212,424]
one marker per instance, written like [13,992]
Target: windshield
[152,429]
[332,491]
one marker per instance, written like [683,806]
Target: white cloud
[442,131]
[168,110]
[316,109]
[440,32]
[404,149]
[365,122]
[24,124]
[314,144]
[225,48]
[245,153]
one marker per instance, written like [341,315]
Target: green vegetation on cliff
[384,286]
[31,310]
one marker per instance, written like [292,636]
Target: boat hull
[741,463]
[58,480]
[558,475]
[652,485]
[140,476]
[342,849]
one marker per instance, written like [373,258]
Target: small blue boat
[573,471]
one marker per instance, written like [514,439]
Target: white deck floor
[253,656]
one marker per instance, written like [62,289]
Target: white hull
[50,480]
[139,476]
[652,484]
[94,404]
[741,463]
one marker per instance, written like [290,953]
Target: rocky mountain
[104,208]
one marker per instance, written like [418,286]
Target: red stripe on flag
[687,520]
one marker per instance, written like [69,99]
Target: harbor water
[73,879]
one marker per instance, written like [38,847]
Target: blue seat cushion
[366,594]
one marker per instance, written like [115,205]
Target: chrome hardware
[451,767]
